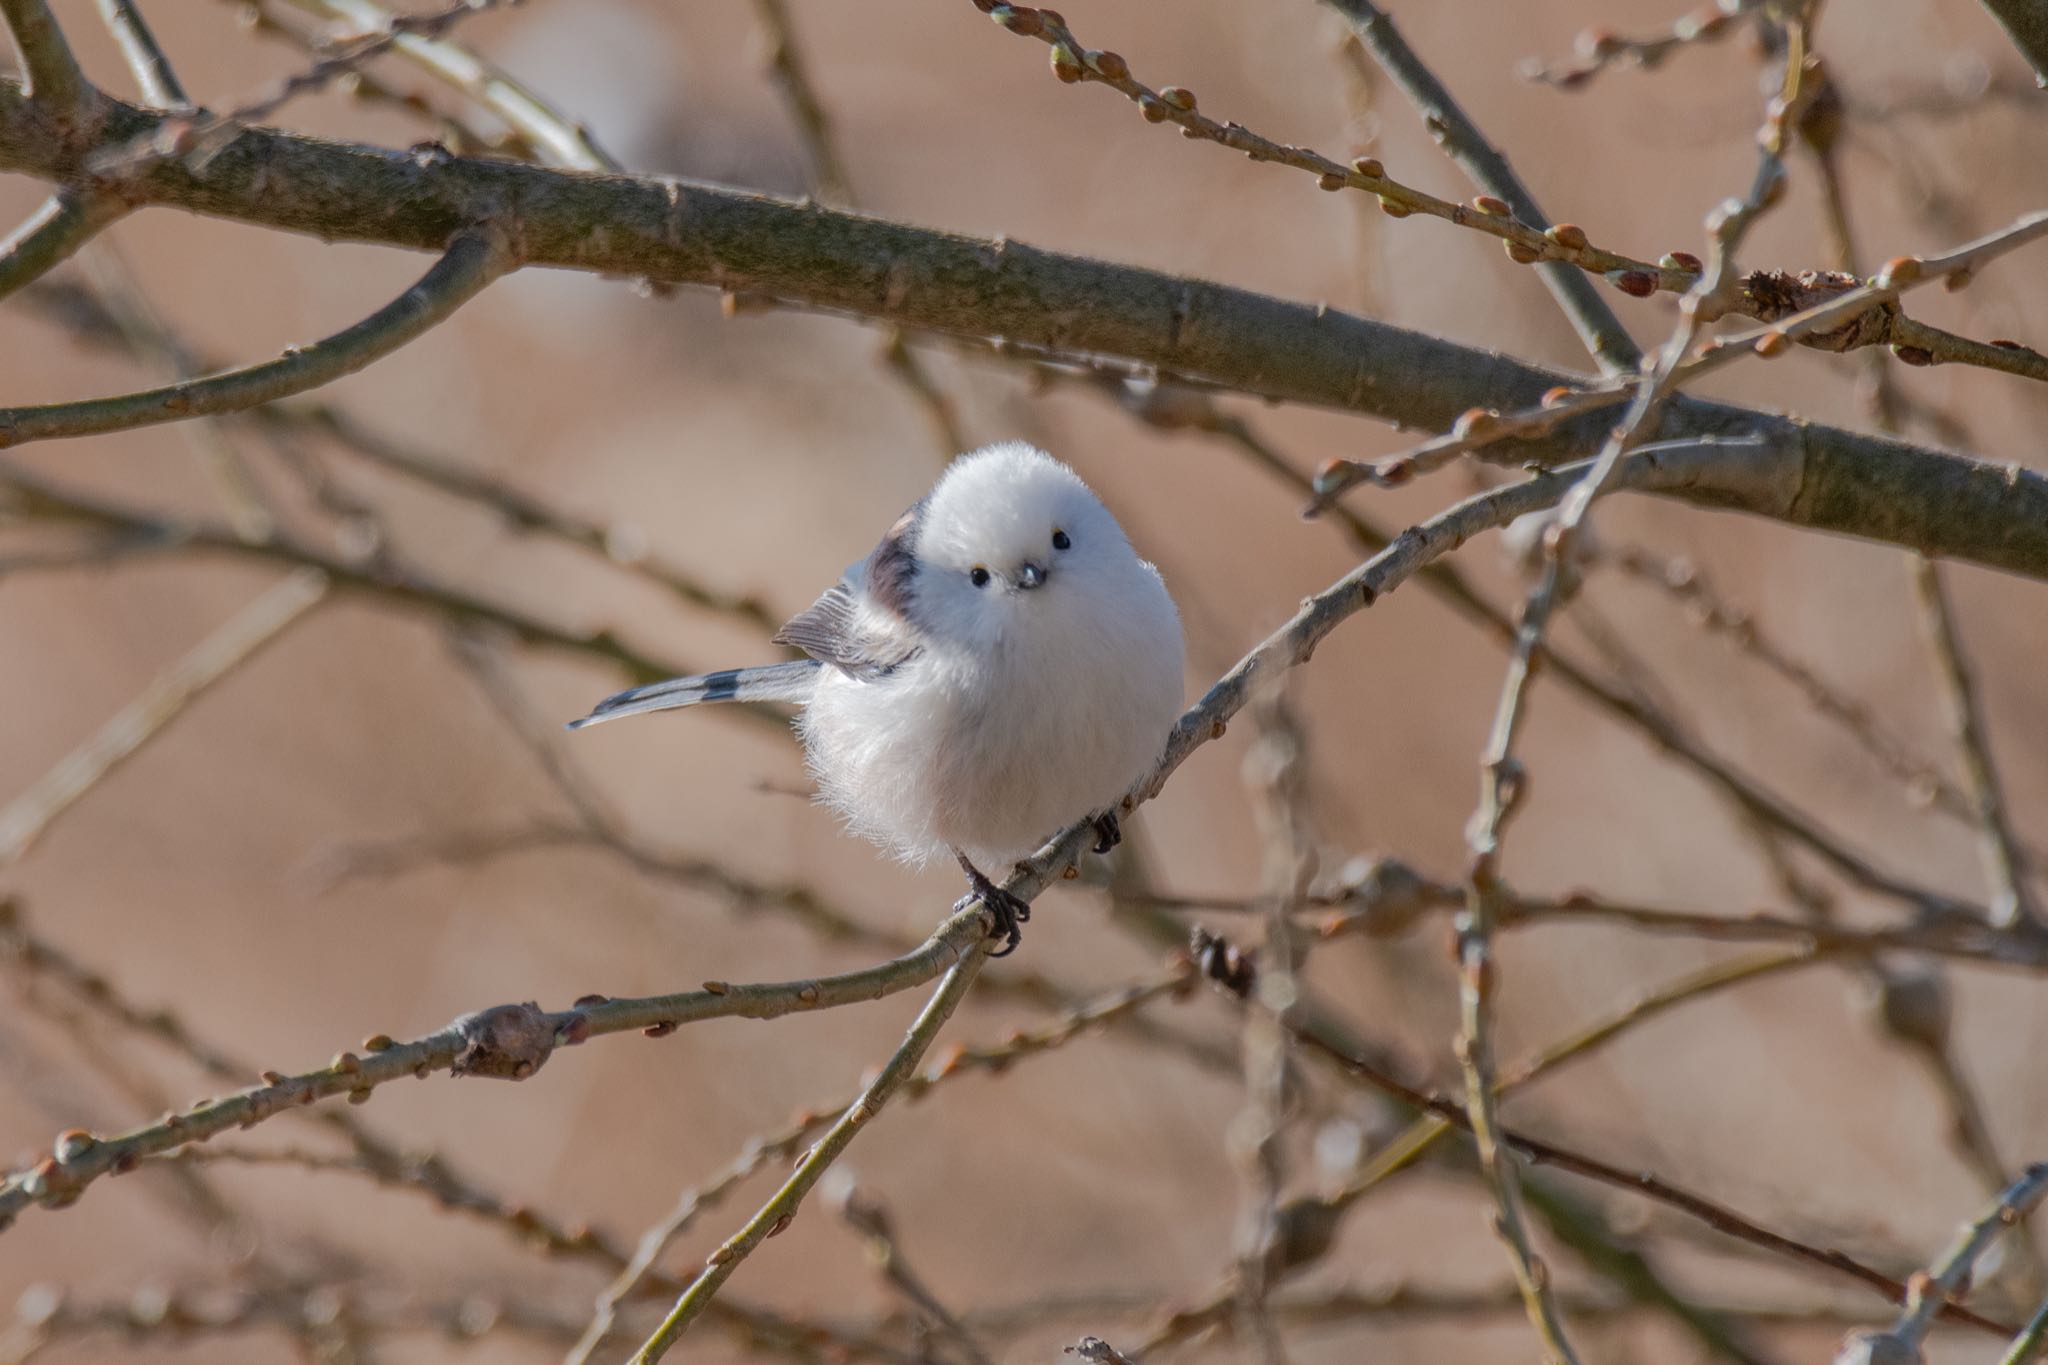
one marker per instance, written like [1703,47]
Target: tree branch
[54,78]
[775,1215]
[507,1042]
[67,220]
[560,140]
[153,75]
[1590,314]
[474,258]
[669,230]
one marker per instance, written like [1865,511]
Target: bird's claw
[1008,911]
[1108,833]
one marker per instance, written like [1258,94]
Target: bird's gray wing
[862,623]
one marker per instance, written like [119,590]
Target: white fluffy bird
[1001,665]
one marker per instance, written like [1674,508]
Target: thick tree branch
[669,230]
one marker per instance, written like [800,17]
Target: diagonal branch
[2004,864]
[775,1215]
[473,259]
[54,77]
[67,220]
[1941,1284]
[24,818]
[560,140]
[1590,314]
[159,84]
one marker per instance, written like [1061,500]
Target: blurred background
[352,832]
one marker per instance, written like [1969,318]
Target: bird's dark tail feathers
[792,681]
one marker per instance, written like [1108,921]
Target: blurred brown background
[764,452]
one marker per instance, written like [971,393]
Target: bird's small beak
[1031,575]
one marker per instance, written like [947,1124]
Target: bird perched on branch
[1001,665]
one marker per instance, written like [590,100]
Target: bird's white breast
[993,752]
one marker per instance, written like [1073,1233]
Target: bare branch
[1236,977]
[473,259]
[54,78]
[1599,49]
[1941,1284]
[406,588]
[153,75]
[1597,325]
[954,1060]
[867,1216]
[67,220]
[24,819]
[1842,311]
[561,140]
[2011,904]
[200,138]
[673,231]
[776,1214]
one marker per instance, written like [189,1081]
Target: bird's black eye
[1060,540]
[978,576]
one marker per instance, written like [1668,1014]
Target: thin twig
[1599,49]
[1941,1284]
[1837,316]
[1502,782]
[460,134]
[201,138]
[1275,774]
[776,1214]
[55,79]
[561,140]
[868,1217]
[473,260]
[1589,313]
[2011,903]
[2026,1347]
[830,182]
[24,819]
[153,74]
[66,221]
[955,1060]
[406,587]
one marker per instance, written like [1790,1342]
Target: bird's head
[1011,540]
